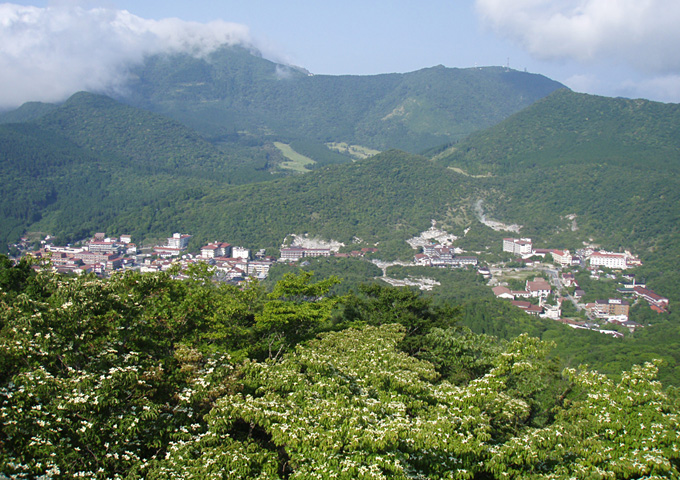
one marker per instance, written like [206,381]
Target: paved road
[555,277]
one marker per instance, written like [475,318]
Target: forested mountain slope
[613,163]
[134,137]
[81,164]
[37,168]
[234,90]
[386,199]
[27,112]
[575,128]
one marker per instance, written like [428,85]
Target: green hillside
[27,112]
[611,162]
[83,163]
[134,138]
[41,172]
[234,91]
[385,199]
[572,128]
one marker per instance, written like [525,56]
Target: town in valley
[548,274]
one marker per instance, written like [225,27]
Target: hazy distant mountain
[233,90]
[27,112]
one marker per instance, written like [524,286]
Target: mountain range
[233,91]
[205,154]
[214,147]
[190,126]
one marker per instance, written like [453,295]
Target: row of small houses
[656,302]
[613,310]
[537,288]
[103,255]
[226,268]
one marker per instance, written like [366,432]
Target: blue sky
[606,47]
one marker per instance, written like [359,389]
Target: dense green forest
[143,376]
[234,91]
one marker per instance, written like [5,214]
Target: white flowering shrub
[352,405]
[615,430]
[96,381]
[135,377]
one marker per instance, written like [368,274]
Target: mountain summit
[235,90]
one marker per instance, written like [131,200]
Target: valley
[446,273]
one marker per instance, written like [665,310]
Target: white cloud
[46,54]
[584,83]
[643,34]
[663,88]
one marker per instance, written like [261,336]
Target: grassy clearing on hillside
[355,151]
[516,277]
[463,172]
[298,163]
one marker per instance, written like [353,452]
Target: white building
[259,268]
[292,253]
[216,249]
[561,257]
[503,292]
[518,246]
[104,247]
[240,252]
[538,288]
[209,251]
[553,312]
[608,259]
[317,252]
[179,241]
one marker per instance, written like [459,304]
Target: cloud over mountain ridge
[46,54]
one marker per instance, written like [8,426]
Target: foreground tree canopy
[144,376]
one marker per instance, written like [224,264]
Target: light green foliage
[143,376]
[615,430]
[297,162]
[98,376]
[351,405]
